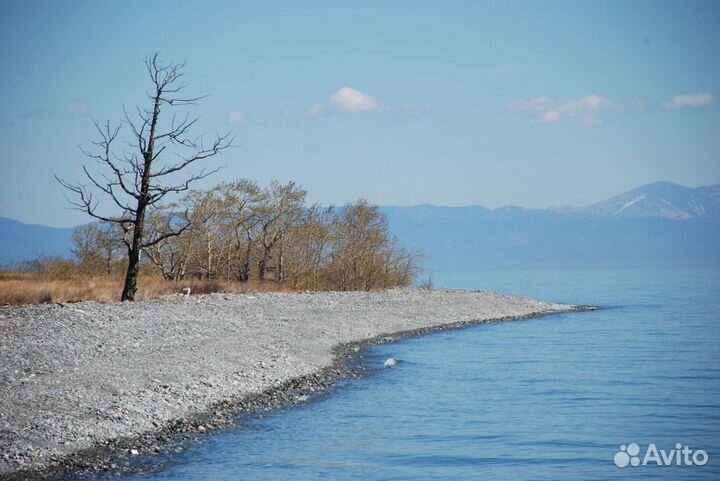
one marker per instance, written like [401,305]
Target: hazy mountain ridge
[655,224]
[20,242]
[659,199]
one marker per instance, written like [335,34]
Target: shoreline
[118,454]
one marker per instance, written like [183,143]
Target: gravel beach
[85,385]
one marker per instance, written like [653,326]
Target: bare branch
[87,204]
[170,230]
[162,191]
[221,143]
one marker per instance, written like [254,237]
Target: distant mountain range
[20,242]
[657,224]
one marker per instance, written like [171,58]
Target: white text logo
[629,455]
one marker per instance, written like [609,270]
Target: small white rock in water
[186,291]
[390,362]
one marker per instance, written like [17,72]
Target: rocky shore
[90,386]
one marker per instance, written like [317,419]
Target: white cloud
[346,100]
[549,110]
[238,118]
[689,101]
[550,116]
[349,99]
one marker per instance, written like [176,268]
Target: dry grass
[20,288]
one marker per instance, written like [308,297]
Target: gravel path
[77,377]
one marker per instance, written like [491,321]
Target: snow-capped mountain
[661,199]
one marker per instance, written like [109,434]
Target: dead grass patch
[20,288]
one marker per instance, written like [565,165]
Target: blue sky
[452,103]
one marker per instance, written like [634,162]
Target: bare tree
[309,247]
[284,209]
[241,200]
[365,255]
[137,180]
[171,255]
[206,234]
[98,247]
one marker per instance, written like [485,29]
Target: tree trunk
[262,267]
[131,277]
[108,262]
[208,268]
[280,276]
[245,267]
[227,267]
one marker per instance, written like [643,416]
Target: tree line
[243,232]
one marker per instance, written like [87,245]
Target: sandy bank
[112,376]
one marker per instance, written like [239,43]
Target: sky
[533,103]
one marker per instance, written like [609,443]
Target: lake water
[549,398]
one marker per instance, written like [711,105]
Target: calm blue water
[542,399]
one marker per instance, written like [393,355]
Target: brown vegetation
[18,288]
[242,232]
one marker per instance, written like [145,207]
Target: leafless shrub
[427,283]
